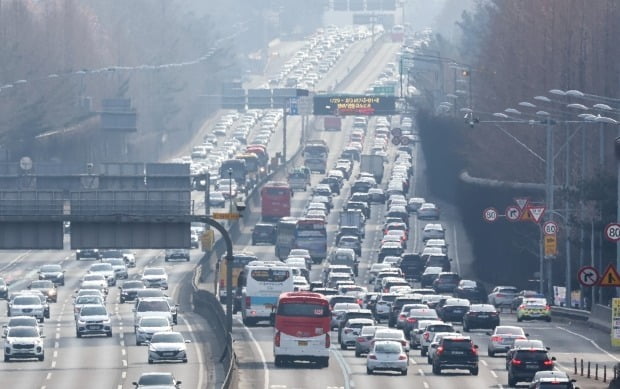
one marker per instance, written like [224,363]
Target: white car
[387,355]
[433,231]
[167,346]
[130,258]
[81,301]
[155,277]
[300,284]
[104,269]
[27,305]
[21,321]
[392,335]
[428,211]
[94,281]
[352,329]
[149,325]
[119,266]
[93,320]
[23,342]
[152,306]
[502,295]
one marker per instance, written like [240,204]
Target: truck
[372,164]
[332,123]
[351,218]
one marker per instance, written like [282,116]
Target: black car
[455,352]
[264,233]
[526,362]
[446,282]
[412,266]
[453,310]
[54,273]
[524,343]
[480,316]
[358,205]
[359,196]
[129,290]
[361,187]
[87,253]
[333,183]
[472,291]
[376,196]
[4,289]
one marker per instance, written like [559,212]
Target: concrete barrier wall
[600,317]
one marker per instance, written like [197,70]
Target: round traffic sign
[489,214]
[550,228]
[405,140]
[396,140]
[588,276]
[612,232]
[397,132]
[513,213]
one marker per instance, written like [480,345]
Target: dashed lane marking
[493,374]
[260,353]
[425,385]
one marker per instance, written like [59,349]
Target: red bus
[398,33]
[275,200]
[302,325]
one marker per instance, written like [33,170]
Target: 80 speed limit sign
[489,215]
[612,232]
[550,228]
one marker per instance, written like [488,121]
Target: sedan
[149,325]
[433,231]
[54,273]
[157,380]
[387,356]
[428,211]
[352,330]
[503,339]
[363,342]
[480,316]
[167,346]
[47,287]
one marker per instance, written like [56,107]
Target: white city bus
[265,281]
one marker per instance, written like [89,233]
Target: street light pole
[549,195]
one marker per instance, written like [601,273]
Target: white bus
[265,281]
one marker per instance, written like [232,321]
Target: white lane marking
[49,376]
[456,250]
[124,374]
[124,361]
[484,362]
[425,385]
[421,372]
[17,259]
[201,378]
[57,336]
[493,374]
[56,344]
[55,354]
[53,364]
[122,343]
[344,367]
[591,341]
[119,387]
[123,352]
[260,354]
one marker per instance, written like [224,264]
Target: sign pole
[288,102]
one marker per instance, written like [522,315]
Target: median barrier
[600,317]
[571,313]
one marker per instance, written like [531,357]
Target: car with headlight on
[106,270]
[155,277]
[54,273]
[129,290]
[47,287]
[81,301]
[23,342]
[93,319]
[157,381]
[387,355]
[534,309]
[87,254]
[21,321]
[27,305]
[176,255]
[167,346]
[149,325]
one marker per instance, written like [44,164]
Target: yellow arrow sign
[225,216]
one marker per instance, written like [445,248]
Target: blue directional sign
[292,108]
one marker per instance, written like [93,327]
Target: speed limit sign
[489,215]
[612,232]
[550,228]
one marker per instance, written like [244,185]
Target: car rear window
[440,328]
[554,385]
[456,344]
[450,277]
[536,355]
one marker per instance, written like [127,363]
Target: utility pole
[549,196]
[285,114]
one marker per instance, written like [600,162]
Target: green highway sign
[387,90]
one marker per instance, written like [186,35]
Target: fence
[598,372]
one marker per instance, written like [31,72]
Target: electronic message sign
[354,105]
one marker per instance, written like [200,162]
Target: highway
[101,362]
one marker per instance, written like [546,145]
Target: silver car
[21,321]
[352,329]
[416,335]
[363,343]
[387,355]
[503,339]
[149,325]
[502,295]
[167,346]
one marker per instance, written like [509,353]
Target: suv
[412,266]
[439,260]
[526,362]
[398,304]
[93,319]
[264,233]
[456,352]
[23,342]
[383,306]
[429,333]
[446,282]
[176,254]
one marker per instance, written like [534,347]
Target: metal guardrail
[572,313]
